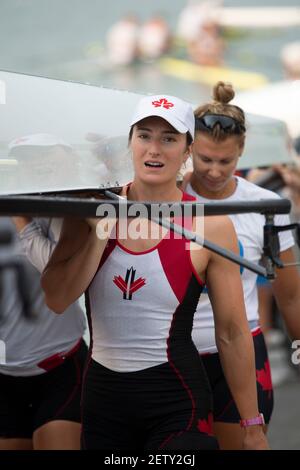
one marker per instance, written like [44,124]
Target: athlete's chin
[213,186]
[154,179]
[214,189]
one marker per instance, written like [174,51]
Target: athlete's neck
[141,192]
[227,191]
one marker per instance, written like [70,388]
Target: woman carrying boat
[143,390]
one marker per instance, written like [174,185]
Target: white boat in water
[195,14]
[258,17]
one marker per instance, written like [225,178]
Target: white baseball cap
[175,111]
[42,140]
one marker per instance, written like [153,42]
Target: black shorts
[146,410]
[26,403]
[225,410]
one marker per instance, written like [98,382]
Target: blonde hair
[223,93]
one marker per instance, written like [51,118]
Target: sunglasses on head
[227,123]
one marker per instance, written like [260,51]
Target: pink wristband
[258,420]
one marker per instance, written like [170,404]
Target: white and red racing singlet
[142,304]
[250,232]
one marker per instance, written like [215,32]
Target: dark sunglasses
[227,123]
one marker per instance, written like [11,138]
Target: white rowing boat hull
[93,122]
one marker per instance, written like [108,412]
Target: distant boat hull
[258,17]
[208,75]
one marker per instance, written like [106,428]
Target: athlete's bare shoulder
[219,229]
[214,228]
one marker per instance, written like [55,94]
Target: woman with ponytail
[219,143]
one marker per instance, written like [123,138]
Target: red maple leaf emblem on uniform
[163,102]
[263,376]
[135,285]
[206,425]
[129,285]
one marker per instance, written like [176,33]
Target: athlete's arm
[34,241]
[286,290]
[233,336]
[73,263]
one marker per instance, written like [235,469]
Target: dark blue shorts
[26,403]
[225,410]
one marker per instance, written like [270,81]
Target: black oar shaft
[212,247]
[189,235]
[78,207]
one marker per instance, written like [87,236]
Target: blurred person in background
[289,186]
[122,41]
[291,179]
[154,38]
[270,320]
[207,47]
[219,143]
[198,27]
[290,58]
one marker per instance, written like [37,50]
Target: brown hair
[189,139]
[223,93]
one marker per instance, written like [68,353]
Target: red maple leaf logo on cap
[163,102]
[263,376]
[206,425]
